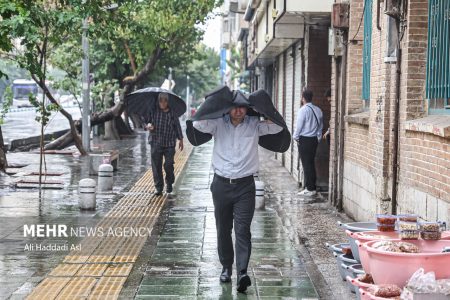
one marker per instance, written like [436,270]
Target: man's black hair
[307,95]
[328,93]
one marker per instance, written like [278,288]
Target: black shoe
[169,189]
[157,193]
[226,274]
[243,282]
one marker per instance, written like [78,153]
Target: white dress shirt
[309,122]
[235,153]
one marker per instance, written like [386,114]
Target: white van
[21,89]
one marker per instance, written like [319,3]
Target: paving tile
[225,291]
[283,291]
[169,281]
[171,290]
[118,270]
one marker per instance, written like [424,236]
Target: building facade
[286,50]
[390,115]
[232,22]
[387,64]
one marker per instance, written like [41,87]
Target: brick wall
[424,158]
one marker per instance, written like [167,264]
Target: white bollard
[105,177]
[259,201]
[87,190]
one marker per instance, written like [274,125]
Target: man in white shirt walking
[308,134]
[235,160]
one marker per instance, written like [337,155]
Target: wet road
[22,124]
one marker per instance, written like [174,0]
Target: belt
[233,181]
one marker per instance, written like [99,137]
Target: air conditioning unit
[340,15]
[393,8]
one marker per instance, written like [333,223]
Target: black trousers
[307,147]
[158,153]
[234,202]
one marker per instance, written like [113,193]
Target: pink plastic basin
[367,236]
[397,268]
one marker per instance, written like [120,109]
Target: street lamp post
[188,101]
[86,120]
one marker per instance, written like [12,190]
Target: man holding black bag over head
[235,160]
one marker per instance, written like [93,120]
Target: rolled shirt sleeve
[265,127]
[206,126]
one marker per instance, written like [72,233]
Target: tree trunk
[111,131]
[115,111]
[127,122]
[61,142]
[3,161]
[75,136]
[137,122]
[122,127]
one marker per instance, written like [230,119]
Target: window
[367,48]
[438,60]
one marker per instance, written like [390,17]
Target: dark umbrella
[144,102]
[220,101]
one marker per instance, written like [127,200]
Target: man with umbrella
[235,160]
[165,129]
[160,109]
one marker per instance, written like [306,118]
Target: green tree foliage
[203,73]
[30,30]
[127,41]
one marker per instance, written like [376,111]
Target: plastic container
[407,225]
[408,217]
[353,271]
[360,287]
[386,219]
[359,226]
[337,247]
[357,270]
[409,234]
[386,227]
[349,275]
[430,235]
[431,226]
[347,260]
[397,268]
[343,261]
[367,236]
[340,268]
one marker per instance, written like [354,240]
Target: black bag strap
[317,120]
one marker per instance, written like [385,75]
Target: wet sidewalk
[21,271]
[184,263]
